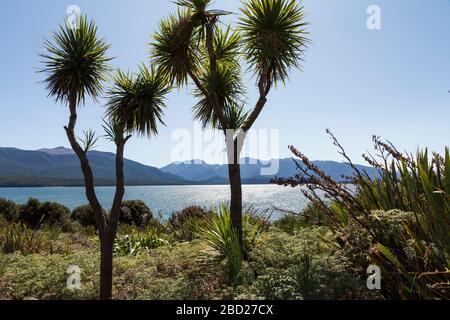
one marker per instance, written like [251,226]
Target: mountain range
[199,171]
[60,167]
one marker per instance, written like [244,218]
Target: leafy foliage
[271,39]
[34,214]
[85,216]
[17,237]
[274,36]
[222,238]
[411,246]
[137,102]
[8,210]
[89,140]
[138,243]
[136,212]
[173,50]
[183,224]
[75,62]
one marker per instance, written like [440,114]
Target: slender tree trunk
[107,241]
[106,265]
[107,226]
[234,174]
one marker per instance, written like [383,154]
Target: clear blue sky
[391,82]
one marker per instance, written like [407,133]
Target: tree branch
[213,80]
[120,179]
[264,85]
[85,167]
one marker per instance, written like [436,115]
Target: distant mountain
[252,169]
[60,167]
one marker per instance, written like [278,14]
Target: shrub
[44,277]
[17,237]
[411,246]
[310,216]
[85,216]
[223,241]
[8,210]
[300,266]
[289,223]
[34,214]
[138,242]
[183,223]
[136,212]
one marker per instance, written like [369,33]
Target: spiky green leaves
[138,101]
[75,62]
[194,5]
[229,90]
[274,36]
[271,38]
[174,50]
[228,83]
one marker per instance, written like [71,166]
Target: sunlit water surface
[164,200]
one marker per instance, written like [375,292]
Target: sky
[392,82]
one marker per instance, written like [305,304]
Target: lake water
[166,199]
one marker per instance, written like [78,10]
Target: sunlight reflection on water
[167,199]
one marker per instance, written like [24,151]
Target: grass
[152,264]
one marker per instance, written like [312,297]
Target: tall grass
[136,243]
[16,237]
[412,249]
[223,240]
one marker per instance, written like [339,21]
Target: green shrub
[8,210]
[411,246]
[300,266]
[138,242]
[44,277]
[310,216]
[289,223]
[34,214]
[133,213]
[17,237]
[223,241]
[85,216]
[183,223]
[136,212]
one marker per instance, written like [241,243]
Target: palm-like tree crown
[137,102]
[228,84]
[274,36]
[75,62]
[271,39]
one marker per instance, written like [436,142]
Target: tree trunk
[106,266]
[107,226]
[234,173]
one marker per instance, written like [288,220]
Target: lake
[166,199]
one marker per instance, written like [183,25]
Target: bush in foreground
[134,213]
[8,210]
[398,220]
[35,214]
[182,224]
